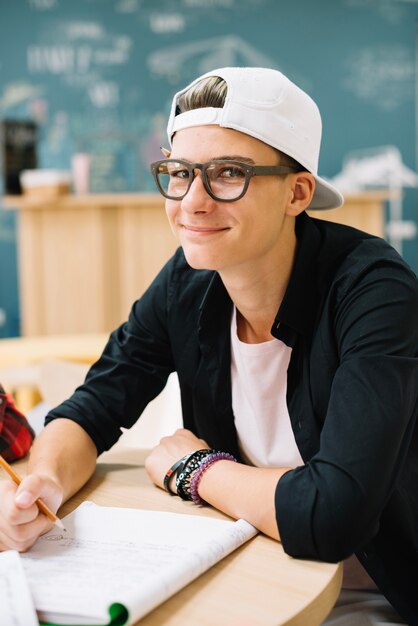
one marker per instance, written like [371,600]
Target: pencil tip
[60,524]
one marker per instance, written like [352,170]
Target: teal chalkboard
[97,75]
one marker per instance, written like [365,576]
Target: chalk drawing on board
[221,4]
[104,94]
[374,168]
[56,59]
[384,76]
[66,59]
[17,92]
[127,6]
[78,53]
[203,55]
[85,30]
[167,23]
[390,10]
[381,168]
[43,5]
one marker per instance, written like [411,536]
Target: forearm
[65,453]
[243,492]
[238,490]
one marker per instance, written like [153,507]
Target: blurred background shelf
[84,260]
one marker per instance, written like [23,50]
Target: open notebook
[114,565]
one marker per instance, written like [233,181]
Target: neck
[258,293]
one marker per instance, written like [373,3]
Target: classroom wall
[98,75]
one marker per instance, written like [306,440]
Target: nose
[197,198]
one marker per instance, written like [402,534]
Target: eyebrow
[234,157]
[226,157]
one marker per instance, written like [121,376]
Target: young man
[16,435]
[295,342]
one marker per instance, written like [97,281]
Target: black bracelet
[170,472]
[184,473]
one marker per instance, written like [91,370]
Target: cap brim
[325,197]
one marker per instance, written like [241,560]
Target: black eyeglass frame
[249,170]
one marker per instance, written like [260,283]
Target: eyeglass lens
[226,181]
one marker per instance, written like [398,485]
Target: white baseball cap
[265,104]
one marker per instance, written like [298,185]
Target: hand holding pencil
[39,503]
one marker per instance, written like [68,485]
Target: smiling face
[246,235]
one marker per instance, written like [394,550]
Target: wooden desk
[257,585]
[84,260]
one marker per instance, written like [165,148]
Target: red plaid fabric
[16,435]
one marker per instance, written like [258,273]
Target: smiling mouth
[203,229]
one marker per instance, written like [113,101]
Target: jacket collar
[298,308]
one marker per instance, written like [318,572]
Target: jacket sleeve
[331,507]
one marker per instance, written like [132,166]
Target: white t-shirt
[265,435]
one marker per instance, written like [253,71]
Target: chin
[199,261]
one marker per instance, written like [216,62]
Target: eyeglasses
[225,181]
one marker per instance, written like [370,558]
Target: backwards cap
[265,104]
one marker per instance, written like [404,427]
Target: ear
[165,152]
[303,187]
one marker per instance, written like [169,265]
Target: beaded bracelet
[186,469]
[207,462]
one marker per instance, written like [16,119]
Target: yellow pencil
[41,505]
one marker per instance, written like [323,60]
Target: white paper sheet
[16,606]
[128,556]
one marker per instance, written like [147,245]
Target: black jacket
[350,313]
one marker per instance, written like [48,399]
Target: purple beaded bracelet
[197,475]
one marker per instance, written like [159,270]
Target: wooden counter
[365,211]
[83,260]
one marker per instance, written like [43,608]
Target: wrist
[198,475]
[171,474]
[46,474]
[189,471]
[186,470]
